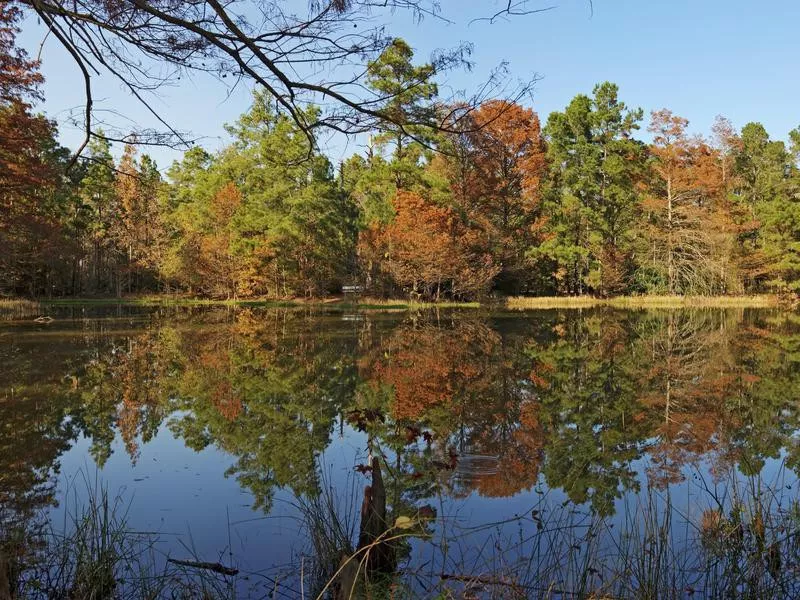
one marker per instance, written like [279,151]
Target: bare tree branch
[512,9]
[317,58]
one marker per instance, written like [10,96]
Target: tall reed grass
[733,538]
[18,309]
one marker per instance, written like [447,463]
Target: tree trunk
[374,554]
[670,249]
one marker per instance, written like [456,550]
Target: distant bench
[351,289]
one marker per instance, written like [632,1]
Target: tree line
[494,203]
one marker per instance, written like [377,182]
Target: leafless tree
[303,52]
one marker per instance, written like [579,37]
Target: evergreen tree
[595,165]
[99,197]
[410,92]
[769,240]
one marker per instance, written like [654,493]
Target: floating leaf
[403,522]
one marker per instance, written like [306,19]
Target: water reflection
[453,404]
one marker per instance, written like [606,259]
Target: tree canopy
[492,203]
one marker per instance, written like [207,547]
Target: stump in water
[374,555]
[7,591]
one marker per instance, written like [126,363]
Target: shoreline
[512,303]
[522,303]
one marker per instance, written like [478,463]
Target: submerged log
[215,567]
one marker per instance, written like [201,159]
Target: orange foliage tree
[431,250]
[135,228]
[28,230]
[689,229]
[219,266]
[496,176]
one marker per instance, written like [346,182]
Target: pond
[461,453]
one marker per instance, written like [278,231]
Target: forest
[600,199]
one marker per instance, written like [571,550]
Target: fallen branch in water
[520,588]
[216,567]
[480,580]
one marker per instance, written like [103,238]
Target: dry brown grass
[18,309]
[543,303]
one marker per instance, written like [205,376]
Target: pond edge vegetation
[22,308]
[743,543]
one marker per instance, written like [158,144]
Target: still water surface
[526,448]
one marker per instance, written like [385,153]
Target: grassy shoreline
[516,303]
[543,303]
[18,309]
[333,303]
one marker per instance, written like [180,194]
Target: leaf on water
[403,522]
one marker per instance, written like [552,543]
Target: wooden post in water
[374,555]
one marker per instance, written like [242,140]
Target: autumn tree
[126,218]
[21,135]
[495,171]
[688,229]
[136,219]
[219,267]
[30,205]
[725,140]
[430,251]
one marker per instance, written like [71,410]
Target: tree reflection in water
[588,406]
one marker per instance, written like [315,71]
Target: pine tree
[595,166]
[769,239]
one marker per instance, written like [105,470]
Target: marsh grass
[633,302]
[519,303]
[330,521]
[740,540]
[736,537]
[331,304]
[18,309]
[93,555]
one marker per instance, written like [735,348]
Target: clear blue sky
[699,58]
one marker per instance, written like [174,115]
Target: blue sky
[699,58]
